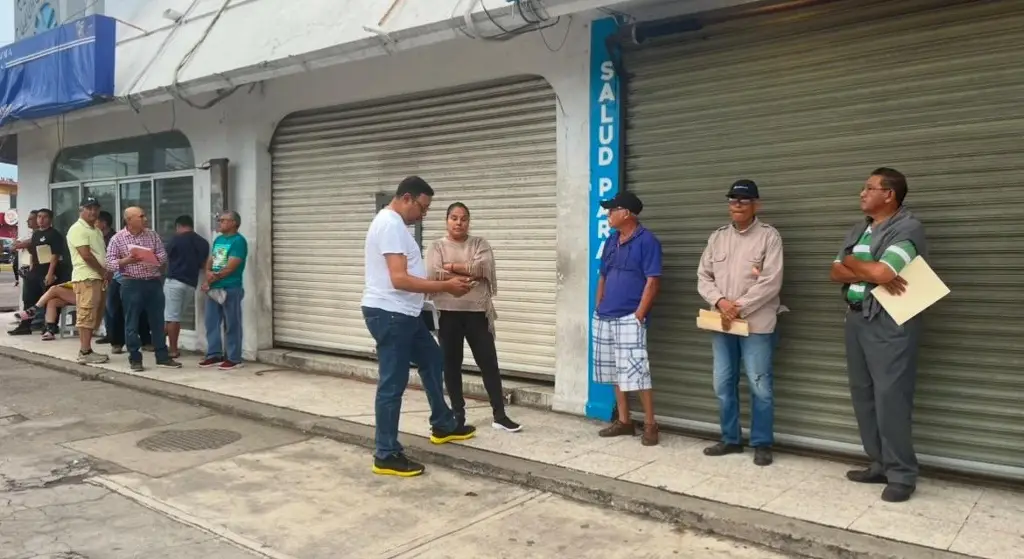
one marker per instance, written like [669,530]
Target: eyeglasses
[741,201]
[423,209]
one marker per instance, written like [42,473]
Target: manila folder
[924,289]
[711,320]
[44,254]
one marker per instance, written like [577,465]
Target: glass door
[137,193]
[64,204]
[174,198]
[106,194]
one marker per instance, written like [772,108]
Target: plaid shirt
[118,249]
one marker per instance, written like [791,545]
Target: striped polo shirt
[897,257]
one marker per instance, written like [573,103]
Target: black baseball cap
[624,200]
[89,203]
[743,188]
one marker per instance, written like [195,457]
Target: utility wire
[176,86]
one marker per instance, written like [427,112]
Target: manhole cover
[188,440]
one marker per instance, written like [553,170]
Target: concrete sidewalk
[798,505]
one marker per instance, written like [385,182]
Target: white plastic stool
[66,325]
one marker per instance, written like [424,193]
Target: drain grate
[188,440]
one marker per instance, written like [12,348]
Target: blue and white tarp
[58,71]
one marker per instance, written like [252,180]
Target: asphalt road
[89,471]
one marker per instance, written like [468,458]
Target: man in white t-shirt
[392,303]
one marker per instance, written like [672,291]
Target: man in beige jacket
[740,275]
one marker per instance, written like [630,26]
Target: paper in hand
[144,255]
[44,254]
[712,321]
[924,289]
[218,295]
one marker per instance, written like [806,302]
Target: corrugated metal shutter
[807,102]
[490,146]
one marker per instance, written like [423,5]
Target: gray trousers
[881,360]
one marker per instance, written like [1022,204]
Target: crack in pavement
[42,508]
[75,472]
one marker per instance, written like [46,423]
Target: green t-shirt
[226,247]
[896,257]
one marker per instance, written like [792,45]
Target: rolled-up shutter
[807,102]
[489,146]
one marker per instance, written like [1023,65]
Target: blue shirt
[226,247]
[186,254]
[625,269]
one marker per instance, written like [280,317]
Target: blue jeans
[403,339]
[230,315]
[140,297]
[755,352]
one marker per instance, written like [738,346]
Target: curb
[514,392]
[779,533]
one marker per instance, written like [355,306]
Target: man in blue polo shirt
[630,277]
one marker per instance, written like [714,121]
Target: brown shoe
[617,429]
[650,436]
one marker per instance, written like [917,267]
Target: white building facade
[323,113]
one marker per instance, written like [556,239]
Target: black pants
[456,327]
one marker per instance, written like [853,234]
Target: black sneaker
[460,433]
[136,366]
[897,492]
[763,456]
[506,424]
[721,449]
[396,465]
[169,364]
[20,331]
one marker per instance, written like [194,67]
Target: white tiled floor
[962,518]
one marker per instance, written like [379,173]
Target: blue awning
[58,71]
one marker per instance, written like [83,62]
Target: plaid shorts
[620,353]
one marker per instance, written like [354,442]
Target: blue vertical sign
[604,183]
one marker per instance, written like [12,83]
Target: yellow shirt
[82,234]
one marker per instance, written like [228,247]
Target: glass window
[174,198]
[138,193]
[64,203]
[141,155]
[95,166]
[105,194]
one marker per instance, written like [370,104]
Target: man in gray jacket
[881,356]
